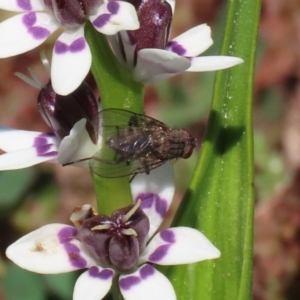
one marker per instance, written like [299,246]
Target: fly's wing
[113,122]
[112,119]
[105,165]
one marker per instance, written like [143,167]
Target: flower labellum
[62,112]
[117,241]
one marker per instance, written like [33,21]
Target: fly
[136,143]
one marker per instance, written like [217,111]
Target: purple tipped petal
[22,5]
[155,64]
[93,284]
[114,16]
[156,192]
[50,249]
[180,245]
[24,32]
[71,61]
[146,281]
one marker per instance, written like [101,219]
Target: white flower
[166,58]
[71,59]
[28,148]
[55,249]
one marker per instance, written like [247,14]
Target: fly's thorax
[131,142]
[72,13]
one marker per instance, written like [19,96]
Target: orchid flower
[121,245]
[38,19]
[150,54]
[74,132]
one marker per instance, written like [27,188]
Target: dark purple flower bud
[72,13]
[62,112]
[155,18]
[117,241]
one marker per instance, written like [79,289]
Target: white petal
[180,245]
[156,64]
[22,5]
[156,191]
[127,48]
[24,32]
[172,3]
[77,145]
[50,249]
[93,284]
[192,42]
[213,63]
[14,139]
[114,16]
[146,284]
[71,61]
[27,157]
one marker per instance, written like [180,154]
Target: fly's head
[190,144]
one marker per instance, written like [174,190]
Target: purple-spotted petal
[114,16]
[50,249]
[213,63]
[156,64]
[71,61]
[24,32]
[192,42]
[14,139]
[27,157]
[146,283]
[93,284]
[77,145]
[179,245]
[22,5]
[156,191]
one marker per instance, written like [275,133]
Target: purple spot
[76,46]
[36,31]
[39,33]
[159,253]
[29,19]
[104,274]
[146,271]
[42,146]
[177,48]
[60,47]
[65,237]
[113,7]
[67,233]
[127,282]
[101,20]
[24,4]
[147,200]
[161,206]
[168,236]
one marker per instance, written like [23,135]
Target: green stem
[118,90]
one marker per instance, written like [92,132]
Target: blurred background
[47,193]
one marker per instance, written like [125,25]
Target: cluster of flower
[122,244]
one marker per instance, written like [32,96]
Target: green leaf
[21,284]
[220,199]
[61,285]
[13,184]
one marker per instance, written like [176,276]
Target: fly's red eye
[189,152]
[190,144]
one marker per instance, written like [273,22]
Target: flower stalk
[118,90]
